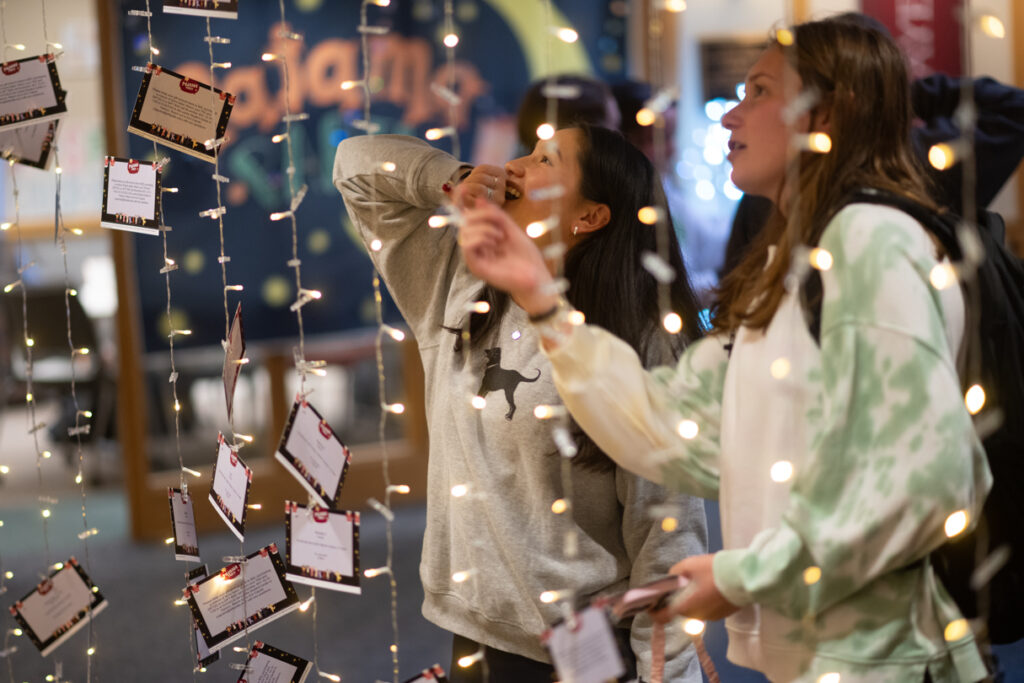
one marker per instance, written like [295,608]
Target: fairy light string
[365,30]
[79,428]
[304,296]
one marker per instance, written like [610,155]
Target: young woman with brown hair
[838,463]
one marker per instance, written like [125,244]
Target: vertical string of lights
[788,369]
[555,252]
[304,296]
[988,561]
[652,113]
[238,441]
[365,124]
[169,266]
[22,267]
[61,231]
[16,223]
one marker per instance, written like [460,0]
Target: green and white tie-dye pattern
[876,451]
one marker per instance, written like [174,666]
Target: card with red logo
[241,597]
[313,453]
[434,674]
[204,657]
[267,664]
[131,196]
[31,92]
[584,648]
[322,547]
[61,604]
[234,352]
[216,9]
[229,490]
[181,112]
[29,145]
[183,522]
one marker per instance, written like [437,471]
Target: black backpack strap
[941,225]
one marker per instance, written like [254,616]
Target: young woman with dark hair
[836,463]
[482,389]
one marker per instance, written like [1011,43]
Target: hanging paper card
[60,605]
[204,657]
[267,664]
[29,145]
[434,674]
[229,490]
[234,351]
[180,113]
[217,9]
[313,453]
[30,92]
[585,651]
[241,596]
[183,523]
[131,196]
[322,547]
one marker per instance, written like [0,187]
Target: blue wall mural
[502,49]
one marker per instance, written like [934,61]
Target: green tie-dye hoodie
[835,467]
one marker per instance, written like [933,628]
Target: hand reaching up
[498,251]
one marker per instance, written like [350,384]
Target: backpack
[983,571]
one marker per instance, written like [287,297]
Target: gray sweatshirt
[503,531]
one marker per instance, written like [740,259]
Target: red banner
[928,31]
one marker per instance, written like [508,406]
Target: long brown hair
[860,78]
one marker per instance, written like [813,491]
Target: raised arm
[633,415]
[391,185]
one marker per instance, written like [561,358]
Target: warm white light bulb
[451,40]
[974,399]
[812,575]
[693,627]
[536,229]
[956,523]
[567,35]
[688,429]
[956,629]
[648,215]
[820,143]
[673,323]
[941,156]
[545,131]
[646,117]
[779,368]
[781,471]
[992,26]
[821,259]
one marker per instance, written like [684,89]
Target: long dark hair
[859,74]
[606,279]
